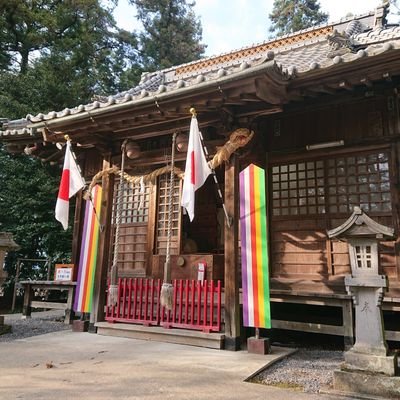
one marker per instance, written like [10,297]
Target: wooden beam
[247,97]
[270,92]
[308,327]
[77,234]
[345,85]
[365,81]
[322,89]
[232,313]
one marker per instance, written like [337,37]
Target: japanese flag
[196,170]
[71,183]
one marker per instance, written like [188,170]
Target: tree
[53,54]
[74,41]
[289,16]
[171,33]
[28,193]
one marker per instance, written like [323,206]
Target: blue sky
[232,24]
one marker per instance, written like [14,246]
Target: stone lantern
[369,355]
[6,244]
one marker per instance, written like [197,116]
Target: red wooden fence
[138,302]
[196,305]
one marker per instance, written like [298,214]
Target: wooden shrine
[324,109]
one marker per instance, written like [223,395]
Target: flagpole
[68,139]
[228,218]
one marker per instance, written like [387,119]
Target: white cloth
[196,170]
[71,183]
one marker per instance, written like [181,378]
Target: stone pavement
[67,365]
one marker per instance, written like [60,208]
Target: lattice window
[298,188]
[364,256]
[135,203]
[333,186]
[361,180]
[162,215]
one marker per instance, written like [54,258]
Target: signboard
[64,272]
[201,271]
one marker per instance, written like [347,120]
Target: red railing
[196,305]
[138,302]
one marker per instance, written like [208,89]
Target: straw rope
[133,179]
[238,138]
[113,289]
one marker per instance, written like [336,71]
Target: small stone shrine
[6,244]
[368,366]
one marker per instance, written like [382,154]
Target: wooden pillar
[348,321]
[69,313]
[232,313]
[27,309]
[100,277]
[77,233]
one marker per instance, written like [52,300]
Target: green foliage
[171,35]
[75,42]
[28,193]
[289,16]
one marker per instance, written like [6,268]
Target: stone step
[160,334]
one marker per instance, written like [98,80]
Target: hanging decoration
[88,255]
[133,179]
[113,288]
[238,138]
[254,248]
[167,290]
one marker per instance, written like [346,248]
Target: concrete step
[160,334]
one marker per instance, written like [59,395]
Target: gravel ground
[307,370]
[40,323]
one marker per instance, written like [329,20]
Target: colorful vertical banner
[88,256]
[254,247]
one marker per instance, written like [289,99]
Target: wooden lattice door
[133,241]
[162,216]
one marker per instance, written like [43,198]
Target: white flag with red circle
[71,183]
[196,169]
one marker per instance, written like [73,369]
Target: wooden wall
[313,191]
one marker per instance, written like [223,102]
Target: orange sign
[64,272]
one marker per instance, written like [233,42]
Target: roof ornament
[345,42]
[380,14]
[341,43]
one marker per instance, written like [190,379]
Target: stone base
[5,329]
[232,343]
[355,361]
[258,346]
[80,326]
[351,382]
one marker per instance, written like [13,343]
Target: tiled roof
[293,54]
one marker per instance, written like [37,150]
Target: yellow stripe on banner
[93,256]
[258,239]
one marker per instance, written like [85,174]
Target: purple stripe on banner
[80,281]
[243,250]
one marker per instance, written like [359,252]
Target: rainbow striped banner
[253,238]
[88,257]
